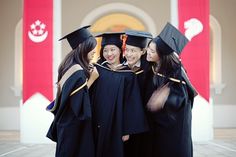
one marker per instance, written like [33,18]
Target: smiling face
[152,54]
[133,54]
[112,54]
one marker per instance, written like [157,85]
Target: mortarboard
[137,38]
[78,36]
[111,38]
[170,40]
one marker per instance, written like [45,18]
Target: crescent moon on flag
[37,39]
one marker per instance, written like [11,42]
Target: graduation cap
[170,40]
[111,38]
[78,36]
[137,38]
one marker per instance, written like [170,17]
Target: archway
[216,56]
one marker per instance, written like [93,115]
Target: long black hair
[169,66]
[169,63]
[78,56]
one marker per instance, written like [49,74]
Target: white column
[35,120]
[202,119]
[56,44]
[174,13]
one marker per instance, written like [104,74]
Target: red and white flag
[37,48]
[194,23]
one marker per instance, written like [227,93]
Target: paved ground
[224,145]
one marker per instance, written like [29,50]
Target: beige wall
[10,14]
[224,12]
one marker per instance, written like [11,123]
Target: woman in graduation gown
[171,124]
[117,106]
[71,128]
[135,55]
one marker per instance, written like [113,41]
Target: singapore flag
[37,48]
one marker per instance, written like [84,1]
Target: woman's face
[91,55]
[133,54]
[152,54]
[112,54]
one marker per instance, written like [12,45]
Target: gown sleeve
[79,100]
[176,96]
[134,116]
[174,106]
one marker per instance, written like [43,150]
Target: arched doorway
[115,22]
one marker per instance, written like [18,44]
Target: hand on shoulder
[94,73]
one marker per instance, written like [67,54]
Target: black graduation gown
[117,110]
[71,128]
[171,126]
[142,76]
[137,145]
